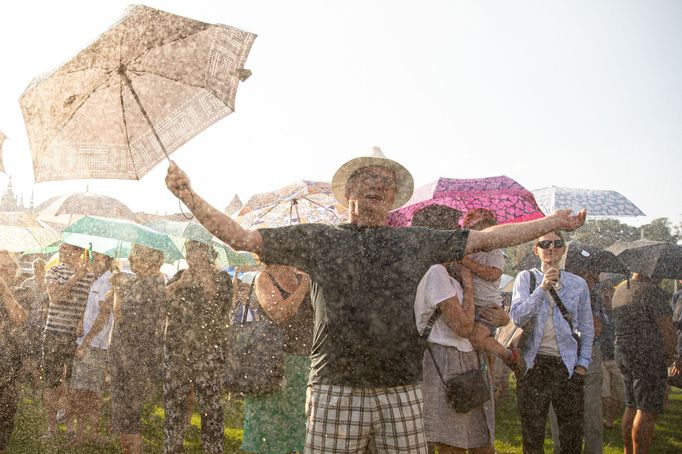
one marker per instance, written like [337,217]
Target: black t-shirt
[196,325]
[638,337]
[364,282]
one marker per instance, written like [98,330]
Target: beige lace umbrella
[145,87]
[21,231]
[67,208]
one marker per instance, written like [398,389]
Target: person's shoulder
[574,278]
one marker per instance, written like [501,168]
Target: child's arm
[485,272]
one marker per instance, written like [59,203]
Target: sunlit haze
[579,94]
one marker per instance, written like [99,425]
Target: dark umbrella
[655,259]
[588,258]
[580,258]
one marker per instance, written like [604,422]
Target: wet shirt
[364,282]
[12,344]
[65,314]
[638,337]
[136,336]
[531,311]
[196,325]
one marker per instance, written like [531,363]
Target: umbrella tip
[377,153]
[243,74]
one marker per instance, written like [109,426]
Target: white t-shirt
[98,291]
[488,293]
[435,287]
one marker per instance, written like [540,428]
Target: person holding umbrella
[364,276]
[645,347]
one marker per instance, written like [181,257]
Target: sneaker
[61,416]
[516,363]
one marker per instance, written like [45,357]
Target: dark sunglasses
[545,244]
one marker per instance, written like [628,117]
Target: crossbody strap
[560,304]
[425,335]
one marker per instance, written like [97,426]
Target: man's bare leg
[626,429]
[643,431]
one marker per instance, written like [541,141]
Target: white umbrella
[597,202]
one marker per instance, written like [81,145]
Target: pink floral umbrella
[510,201]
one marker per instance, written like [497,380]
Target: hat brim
[404,180]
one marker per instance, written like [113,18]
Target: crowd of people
[376,321]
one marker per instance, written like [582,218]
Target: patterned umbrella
[510,201]
[597,202]
[299,203]
[66,208]
[141,90]
[21,231]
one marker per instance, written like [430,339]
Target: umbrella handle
[191,194]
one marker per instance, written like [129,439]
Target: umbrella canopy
[141,90]
[510,201]
[180,232]
[64,209]
[298,203]
[597,202]
[580,258]
[21,231]
[655,259]
[112,236]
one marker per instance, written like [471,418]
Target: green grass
[30,423]
[667,437]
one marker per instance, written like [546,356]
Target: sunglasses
[545,244]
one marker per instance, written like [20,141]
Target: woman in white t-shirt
[451,432]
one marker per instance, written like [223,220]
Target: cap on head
[404,180]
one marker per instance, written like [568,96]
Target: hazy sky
[573,93]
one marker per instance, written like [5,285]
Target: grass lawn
[30,424]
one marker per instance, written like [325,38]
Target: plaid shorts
[346,419]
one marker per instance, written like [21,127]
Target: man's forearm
[505,235]
[219,224]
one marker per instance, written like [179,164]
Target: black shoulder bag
[254,359]
[464,391]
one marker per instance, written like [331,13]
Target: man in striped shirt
[68,285]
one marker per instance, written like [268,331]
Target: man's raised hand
[568,221]
[176,179]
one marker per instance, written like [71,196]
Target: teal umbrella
[180,232]
[115,236]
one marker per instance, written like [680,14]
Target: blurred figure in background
[274,423]
[68,285]
[137,302]
[645,346]
[35,327]
[13,318]
[199,301]
[89,366]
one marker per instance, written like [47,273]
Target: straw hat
[404,183]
